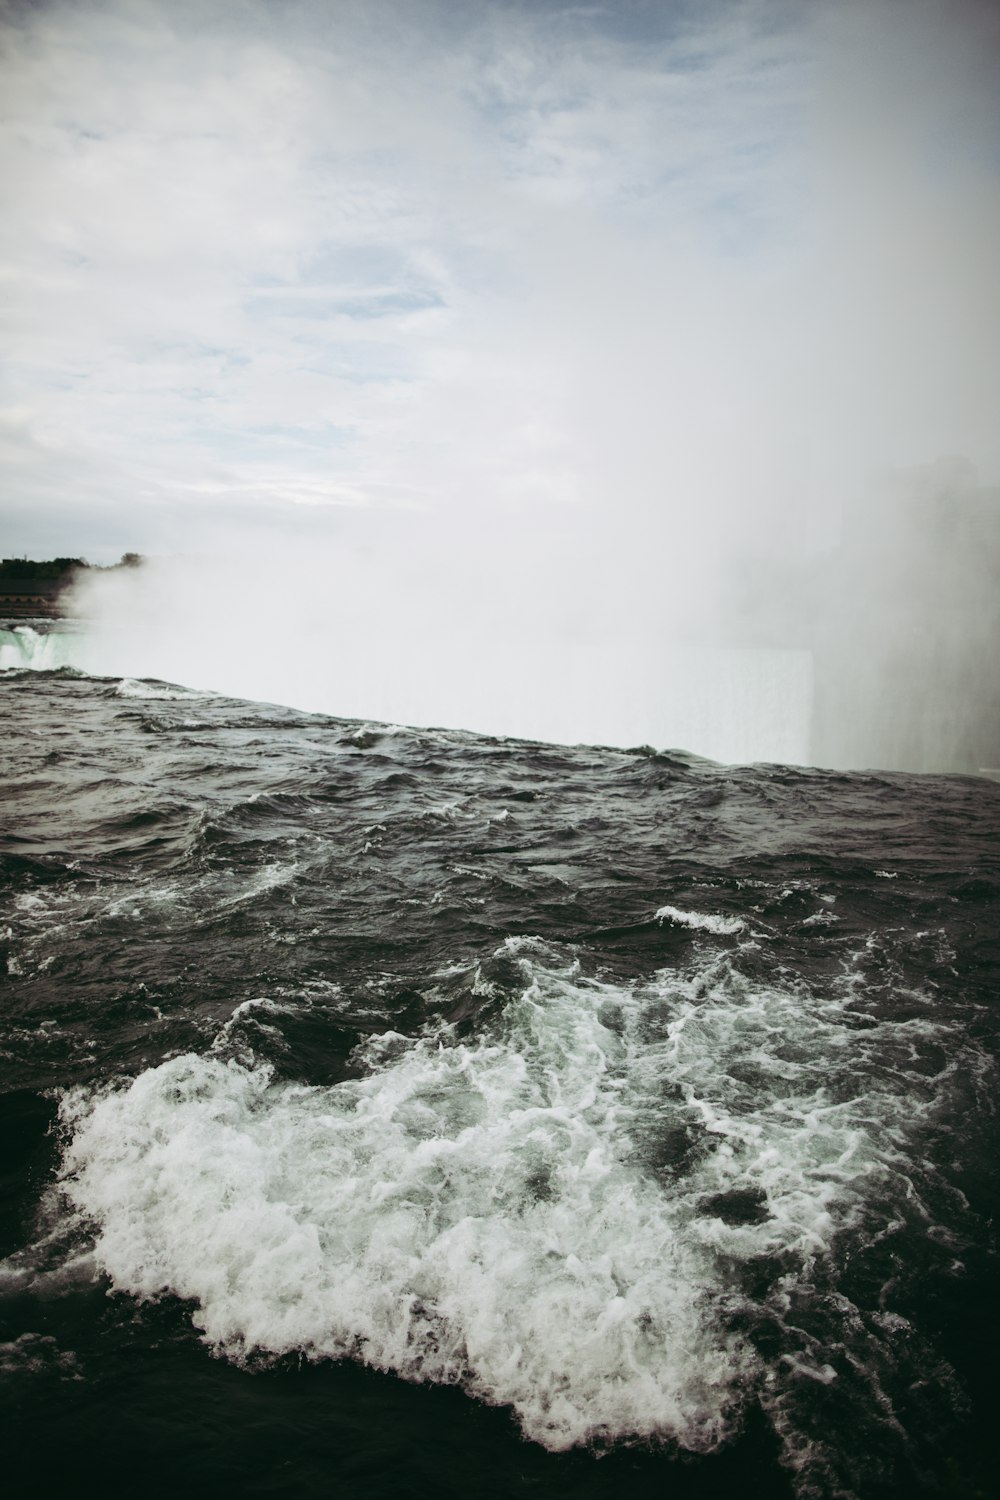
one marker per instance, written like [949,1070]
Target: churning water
[408,1112]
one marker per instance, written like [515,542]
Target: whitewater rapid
[561,1215]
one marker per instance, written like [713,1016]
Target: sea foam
[700,920]
[134,687]
[549,1215]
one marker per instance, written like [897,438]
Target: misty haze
[876,652]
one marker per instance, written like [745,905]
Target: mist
[522,368]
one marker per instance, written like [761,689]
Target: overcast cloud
[420,256]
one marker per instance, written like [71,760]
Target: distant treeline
[59,567]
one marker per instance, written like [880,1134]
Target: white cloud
[220,231]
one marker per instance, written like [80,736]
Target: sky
[489,319]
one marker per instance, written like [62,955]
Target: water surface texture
[408,1112]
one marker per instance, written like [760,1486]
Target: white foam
[701,921]
[37,1354]
[494,1213]
[133,687]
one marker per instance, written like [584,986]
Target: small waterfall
[38,650]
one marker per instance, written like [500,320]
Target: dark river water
[396,1112]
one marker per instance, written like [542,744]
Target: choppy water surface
[398,1112]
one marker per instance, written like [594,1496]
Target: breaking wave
[602,1212]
